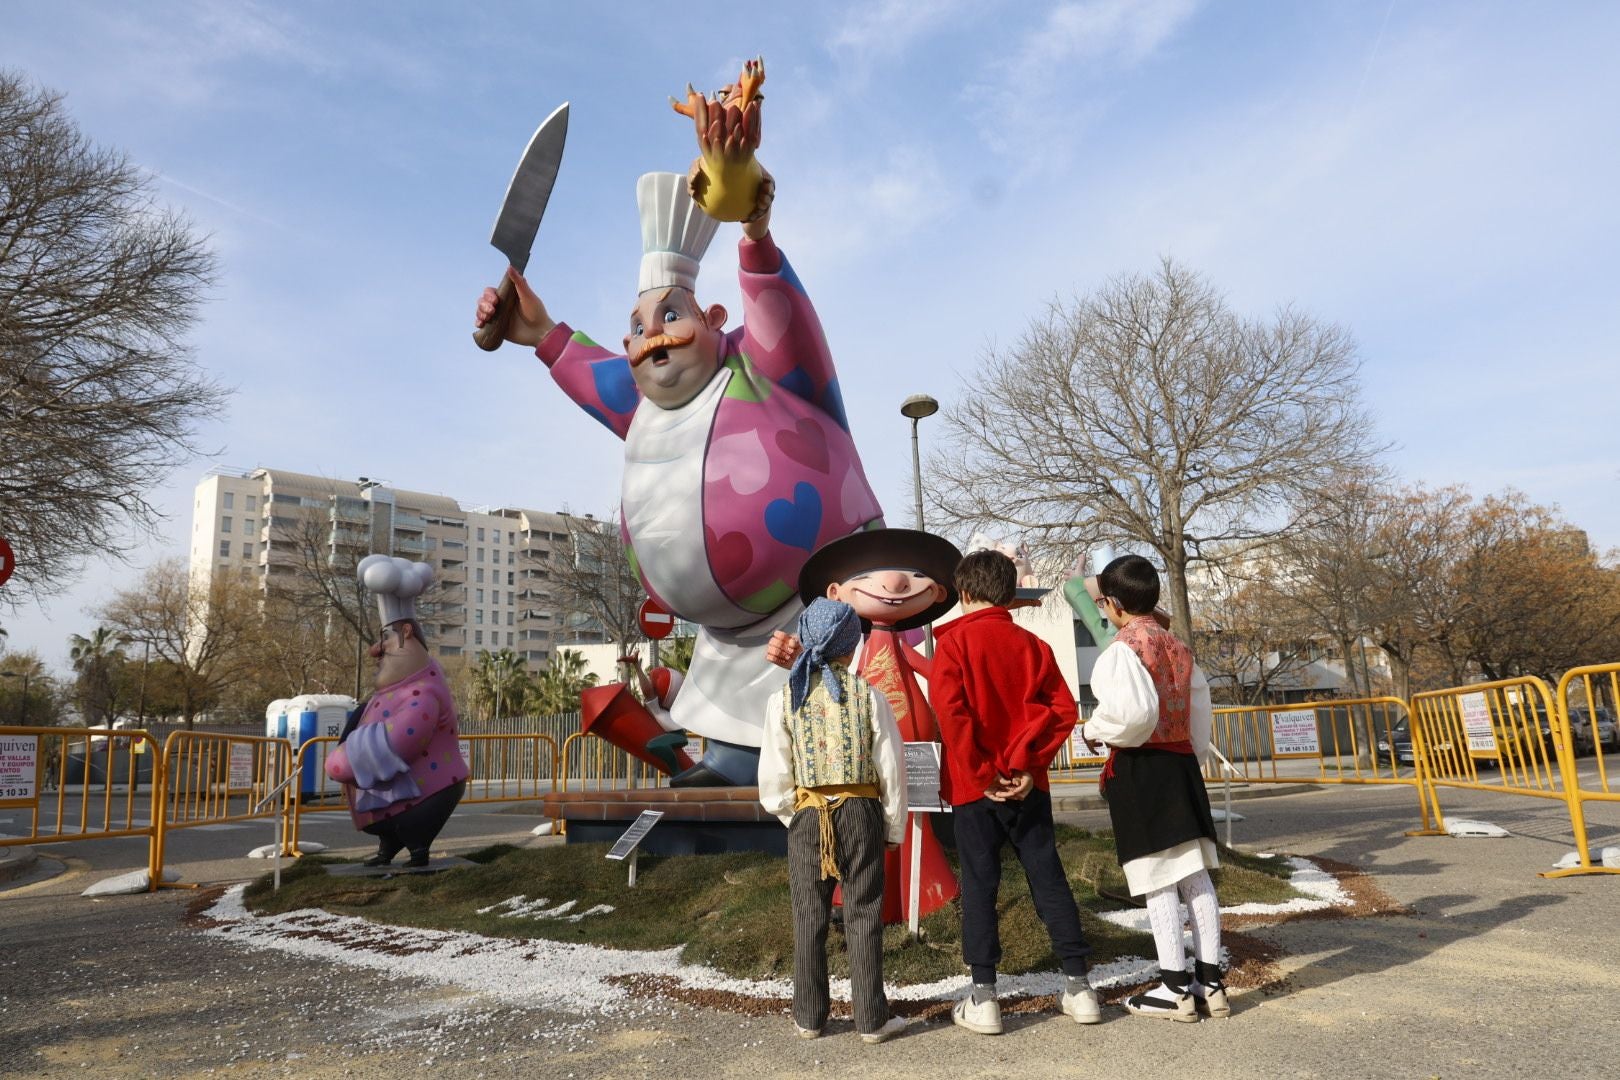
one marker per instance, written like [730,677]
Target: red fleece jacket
[1001,703]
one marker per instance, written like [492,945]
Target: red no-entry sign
[656,622]
[8,560]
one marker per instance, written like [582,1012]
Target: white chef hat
[674,232]
[396,583]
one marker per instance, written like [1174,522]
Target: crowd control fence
[65,784]
[1602,736]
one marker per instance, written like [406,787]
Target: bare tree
[1248,641]
[205,633]
[1149,412]
[98,287]
[1414,605]
[1328,571]
[593,582]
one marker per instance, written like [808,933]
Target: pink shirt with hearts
[781,473]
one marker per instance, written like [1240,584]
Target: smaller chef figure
[896,580]
[400,760]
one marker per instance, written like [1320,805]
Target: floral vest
[832,741]
[1170,664]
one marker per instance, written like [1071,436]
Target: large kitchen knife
[520,215]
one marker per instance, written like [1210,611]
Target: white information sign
[19,769]
[466,752]
[922,779]
[241,766]
[1293,733]
[1078,750]
[1476,718]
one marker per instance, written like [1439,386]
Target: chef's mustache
[660,341]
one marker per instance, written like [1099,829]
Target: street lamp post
[366,484]
[914,408]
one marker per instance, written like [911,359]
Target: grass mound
[730,912]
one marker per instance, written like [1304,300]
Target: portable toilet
[316,716]
[275,719]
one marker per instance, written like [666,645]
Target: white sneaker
[983,1019]
[893,1026]
[1082,1005]
[807,1033]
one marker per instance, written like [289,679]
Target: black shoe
[699,775]
[417,861]
[378,859]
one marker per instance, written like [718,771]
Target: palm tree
[499,680]
[94,659]
[558,688]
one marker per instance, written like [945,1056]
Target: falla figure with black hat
[896,580]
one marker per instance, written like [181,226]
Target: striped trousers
[858,826]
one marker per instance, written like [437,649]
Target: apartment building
[273,527]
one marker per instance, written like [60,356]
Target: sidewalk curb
[15,862]
[1070,803]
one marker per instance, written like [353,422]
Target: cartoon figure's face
[885,597]
[398,653]
[673,345]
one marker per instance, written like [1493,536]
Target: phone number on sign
[16,793]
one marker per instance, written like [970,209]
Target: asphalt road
[1495,972]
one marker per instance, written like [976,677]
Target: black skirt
[1156,800]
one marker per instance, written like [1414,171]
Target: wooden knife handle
[492,334]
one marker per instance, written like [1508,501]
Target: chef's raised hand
[528,323]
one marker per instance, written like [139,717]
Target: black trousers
[418,827]
[982,829]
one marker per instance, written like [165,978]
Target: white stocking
[1199,893]
[1164,915]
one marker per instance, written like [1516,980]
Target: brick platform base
[696,821]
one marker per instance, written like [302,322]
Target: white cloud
[1031,104]
[870,32]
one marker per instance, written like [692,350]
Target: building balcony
[409,522]
[406,543]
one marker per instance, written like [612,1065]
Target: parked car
[1395,744]
[1588,736]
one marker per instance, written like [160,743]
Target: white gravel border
[574,977]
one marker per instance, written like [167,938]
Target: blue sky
[1439,177]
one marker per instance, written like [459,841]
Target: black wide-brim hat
[884,549]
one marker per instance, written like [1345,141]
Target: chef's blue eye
[635,328]
[670,316]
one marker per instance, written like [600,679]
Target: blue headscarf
[827,631]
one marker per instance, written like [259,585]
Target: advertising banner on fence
[1476,718]
[1293,734]
[19,770]
[241,766]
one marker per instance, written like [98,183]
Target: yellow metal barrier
[502,768]
[1506,736]
[1591,680]
[209,779]
[1337,741]
[78,783]
[588,762]
[1340,741]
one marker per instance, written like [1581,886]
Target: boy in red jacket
[1003,712]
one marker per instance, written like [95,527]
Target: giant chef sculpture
[738,461]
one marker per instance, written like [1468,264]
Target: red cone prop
[611,712]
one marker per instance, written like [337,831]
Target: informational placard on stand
[922,779]
[19,770]
[1294,734]
[628,845]
[1079,751]
[1476,718]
